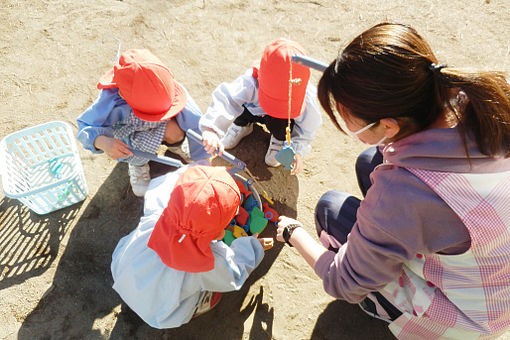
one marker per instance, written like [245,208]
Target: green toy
[257,221]
[229,237]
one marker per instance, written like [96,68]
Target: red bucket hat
[146,84]
[273,77]
[203,202]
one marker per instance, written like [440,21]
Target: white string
[118,50]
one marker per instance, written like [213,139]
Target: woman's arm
[308,247]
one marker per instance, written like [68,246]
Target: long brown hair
[390,71]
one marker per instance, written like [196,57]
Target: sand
[55,280]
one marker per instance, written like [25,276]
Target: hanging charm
[287,155]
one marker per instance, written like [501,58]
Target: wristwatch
[288,230]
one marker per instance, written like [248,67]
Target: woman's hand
[284,221]
[114,148]
[211,142]
[297,166]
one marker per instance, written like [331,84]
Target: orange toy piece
[243,189]
[239,232]
[242,216]
[269,213]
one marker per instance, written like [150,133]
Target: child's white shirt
[227,104]
[162,296]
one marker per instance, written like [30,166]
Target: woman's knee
[328,206]
[335,214]
[365,164]
[368,160]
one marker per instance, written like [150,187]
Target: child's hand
[211,142]
[297,166]
[266,242]
[112,147]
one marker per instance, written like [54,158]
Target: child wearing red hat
[261,95]
[167,269]
[140,106]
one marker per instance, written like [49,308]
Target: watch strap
[287,232]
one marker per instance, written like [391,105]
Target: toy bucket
[42,168]
[251,187]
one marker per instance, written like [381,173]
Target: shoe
[209,301]
[139,177]
[275,146]
[368,306]
[181,149]
[234,135]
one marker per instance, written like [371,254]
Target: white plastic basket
[42,167]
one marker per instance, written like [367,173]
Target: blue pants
[335,214]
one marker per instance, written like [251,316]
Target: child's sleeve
[306,125]
[98,118]
[227,103]
[233,264]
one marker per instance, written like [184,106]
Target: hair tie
[436,68]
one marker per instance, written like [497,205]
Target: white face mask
[356,133]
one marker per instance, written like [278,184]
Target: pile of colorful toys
[251,219]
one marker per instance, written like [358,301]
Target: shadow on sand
[341,320]
[29,242]
[81,301]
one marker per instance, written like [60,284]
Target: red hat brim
[178,103]
[106,81]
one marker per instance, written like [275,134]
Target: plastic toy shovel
[238,164]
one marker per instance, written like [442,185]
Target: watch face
[286,234]
[287,231]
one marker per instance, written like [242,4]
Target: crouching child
[174,266]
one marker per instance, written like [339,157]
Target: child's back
[145,261]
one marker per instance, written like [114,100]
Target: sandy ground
[55,281]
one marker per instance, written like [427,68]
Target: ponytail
[486,117]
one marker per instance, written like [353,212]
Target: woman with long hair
[428,247]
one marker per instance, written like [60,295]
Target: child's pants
[335,215]
[276,126]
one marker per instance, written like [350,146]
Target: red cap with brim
[273,78]
[203,202]
[146,84]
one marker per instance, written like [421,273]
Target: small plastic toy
[242,216]
[239,232]
[229,236]
[243,189]
[286,156]
[55,167]
[249,203]
[269,213]
[257,221]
